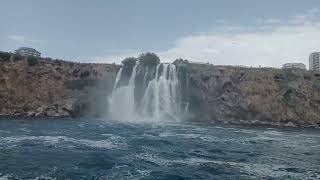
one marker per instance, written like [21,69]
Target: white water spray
[118,77]
[160,100]
[122,101]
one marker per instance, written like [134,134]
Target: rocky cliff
[54,88]
[253,95]
[224,94]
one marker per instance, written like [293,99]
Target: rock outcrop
[253,95]
[54,88]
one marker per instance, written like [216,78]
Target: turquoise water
[99,149]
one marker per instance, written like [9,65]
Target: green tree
[5,56]
[180,61]
[32,60]
[129,62]
[17,57]
[149,59]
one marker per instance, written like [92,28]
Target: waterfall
[145,78]
[118,77]
[159,100]
[122,98]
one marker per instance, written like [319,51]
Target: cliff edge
[235,95]
[53,88]
[253,95]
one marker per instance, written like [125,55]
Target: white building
[294,66]
[314,61]
[25,51]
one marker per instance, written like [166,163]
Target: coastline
[215,93]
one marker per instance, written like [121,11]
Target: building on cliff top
[294,66]
[314,61]
[26,51]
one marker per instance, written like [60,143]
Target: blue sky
[248,32]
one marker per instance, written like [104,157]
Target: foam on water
[257,170]
[186,136]
[4,177]
[110,143]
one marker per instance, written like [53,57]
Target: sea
[86,148]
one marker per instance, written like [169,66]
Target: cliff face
[254,96]
[54,88]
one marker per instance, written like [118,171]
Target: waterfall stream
[159,100]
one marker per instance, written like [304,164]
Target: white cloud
[110,59]
[271,48]
[17,38]
[272,21]
[115,58]
[311,16]
[272,43]
[24,40]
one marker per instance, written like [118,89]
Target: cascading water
[118,77]
[159,100]
[123,98]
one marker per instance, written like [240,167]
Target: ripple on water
[24,130]
[248,168]
[60,141]
[186,136]
[12,177]
[6,132]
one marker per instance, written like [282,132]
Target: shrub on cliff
[32,60]
[180,61]
[17,57]
[129,62]
[84,74]
[5,56]
[149,59]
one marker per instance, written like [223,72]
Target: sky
[228,32]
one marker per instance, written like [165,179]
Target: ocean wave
[12,176]
[24,130]
[187,136]
[109,143]
[4,177]
[273,133]
[2,131]
[260,170]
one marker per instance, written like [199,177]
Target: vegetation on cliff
[5,56]
[129,62]
[32,61]
[146,61]
[127,66]
[149,59]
